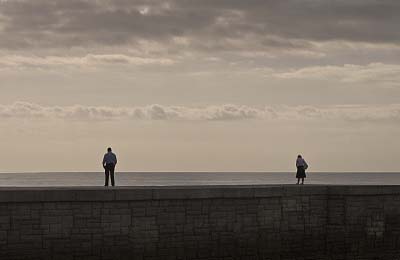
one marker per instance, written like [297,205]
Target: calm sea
[191,178]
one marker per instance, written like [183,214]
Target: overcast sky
[200,85]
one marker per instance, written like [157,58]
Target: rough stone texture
[209,222]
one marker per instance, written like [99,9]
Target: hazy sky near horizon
[200,85]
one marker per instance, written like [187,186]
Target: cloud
[348,73]
[248,34]
[151,112]
[87,60]
[208,24]
[227,112]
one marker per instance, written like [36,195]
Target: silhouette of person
[109,163]
[301,169]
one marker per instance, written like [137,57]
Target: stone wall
[209,222]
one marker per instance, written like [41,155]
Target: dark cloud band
[207,25]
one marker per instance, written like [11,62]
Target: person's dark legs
[112,168]
[302,180]
[298,180]
[107,173]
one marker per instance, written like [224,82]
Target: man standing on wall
[109,162]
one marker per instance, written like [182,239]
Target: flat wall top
[59,194]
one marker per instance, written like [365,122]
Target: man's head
[109,149]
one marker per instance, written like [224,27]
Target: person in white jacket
[301,166]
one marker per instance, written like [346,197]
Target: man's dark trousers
[109,171]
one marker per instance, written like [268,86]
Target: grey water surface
[58,179]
